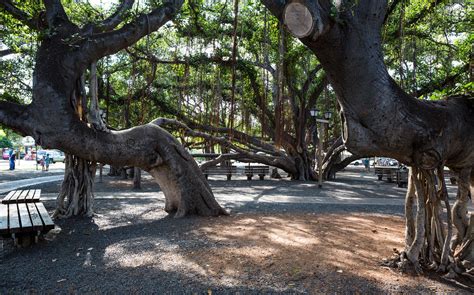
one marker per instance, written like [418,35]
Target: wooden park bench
[390,172]
[220,170]
[23,215]
[261,171]
[402,177]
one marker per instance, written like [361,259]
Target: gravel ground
[132,246]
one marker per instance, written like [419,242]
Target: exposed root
[76,196]
[429,244]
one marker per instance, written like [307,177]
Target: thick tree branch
[19,14]
[116,18]
[275,6]
[282,161]
[14,116]
[108,43]
[55,14]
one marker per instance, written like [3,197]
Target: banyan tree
[379,118]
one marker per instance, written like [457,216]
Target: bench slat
[8,196]
[29,197]
[3,219]
[11,198]
[24,218]
[37,196]
[47,221]
[21,197]
[36,221]
[13,220]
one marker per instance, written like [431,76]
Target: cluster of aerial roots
[76,195]
[437,237]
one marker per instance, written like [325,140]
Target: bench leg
[229,176]
[15,240]
[206,176]
[37,236]
[262,176]
[249,177]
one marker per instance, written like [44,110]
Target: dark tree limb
[275,6]
[245,155]
[14,116]
[19,14]
[116,18]
[108,43]
[55,13]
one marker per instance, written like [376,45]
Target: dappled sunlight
[286,248]
[153,253]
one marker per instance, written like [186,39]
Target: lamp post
[327,116]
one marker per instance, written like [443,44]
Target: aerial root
[429,240]
[76,196]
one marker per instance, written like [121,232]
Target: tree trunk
[76,195]
[137,178]
[54,123]
[380,119]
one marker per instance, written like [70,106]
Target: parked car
[356,162]
[57,156]
[6,154]
[54,156]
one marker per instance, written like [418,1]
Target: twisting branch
[111,42]
[116,18]
[242,154]
[19,14]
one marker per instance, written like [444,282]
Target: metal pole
[36,156]
[320,160]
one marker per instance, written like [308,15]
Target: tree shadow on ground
[135,247]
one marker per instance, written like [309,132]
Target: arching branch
[116,18]
[243,154]
[108,43]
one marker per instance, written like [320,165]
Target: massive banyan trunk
[379,118]
[66,51]
[76,196]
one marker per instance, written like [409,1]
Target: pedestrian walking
[12,157]
[42,162]
[46,162]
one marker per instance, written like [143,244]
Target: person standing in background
[46,162]
[12,159]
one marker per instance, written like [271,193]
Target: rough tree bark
[379,118]
[65,52]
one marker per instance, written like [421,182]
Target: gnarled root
[76,196]
[429,244]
